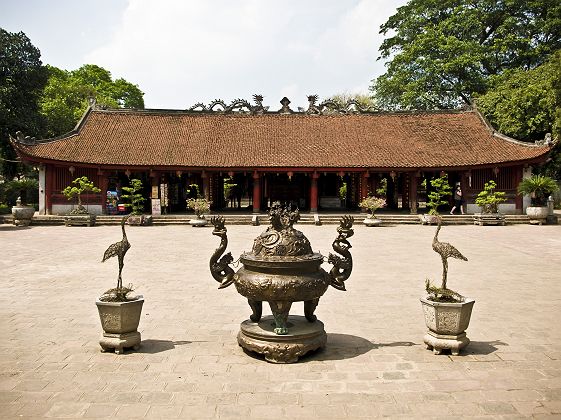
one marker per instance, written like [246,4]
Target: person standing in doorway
[458,199]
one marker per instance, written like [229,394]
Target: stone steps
[262,219]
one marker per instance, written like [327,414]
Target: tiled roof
[191,139]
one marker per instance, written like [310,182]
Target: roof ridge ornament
[285,102]
[27,140]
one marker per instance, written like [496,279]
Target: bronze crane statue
[446,251]
[119,249]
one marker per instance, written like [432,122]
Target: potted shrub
[22,189]
[436,198]
[199,205]
[119,313]
[79,215]
[447,313]
[489,201]
[135,203]
[371,204]
[538,187]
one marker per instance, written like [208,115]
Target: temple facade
[244,156]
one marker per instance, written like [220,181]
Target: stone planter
[428,219]
[447,323]
[372,221]
[119,321]
[483,219]
[80,220]
[22,214]
[537,215]
[198,222]
[139,220]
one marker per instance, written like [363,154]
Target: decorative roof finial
[285,102]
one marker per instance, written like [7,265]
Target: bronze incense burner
[281,269]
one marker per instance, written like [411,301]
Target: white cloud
[182,52]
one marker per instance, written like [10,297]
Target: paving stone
[190,365]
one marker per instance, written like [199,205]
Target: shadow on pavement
[157,346]
[346,346]
[482,347]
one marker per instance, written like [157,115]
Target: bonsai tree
[538,187]
[437,197]
[199,205]
[489,199]
[134,196]
[371,204]
[75,190]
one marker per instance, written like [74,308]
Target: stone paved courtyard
[190,366]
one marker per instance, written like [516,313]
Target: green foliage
[26,188]
[22,78]
[364,100]
[200,206]
[442,294]
[343,192]
[134,196]
[441,52]
[437,197]
[372,203]
[67,95]
[5,209]
[193,189]
[383,187]
[489,199]
[522,103]
[75,190]
[538,187]
[228,188]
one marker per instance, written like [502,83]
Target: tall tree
[442,51]
[67,95]
[523,103]
[22,79]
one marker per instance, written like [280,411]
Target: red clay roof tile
[190,139]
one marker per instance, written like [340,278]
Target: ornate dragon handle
[219,268]
[342,267]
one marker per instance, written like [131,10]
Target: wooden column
[413,185]
[103,185]
[206,189]
[314,193]
[518,199]
[365,178]
[49,185]
[256,192]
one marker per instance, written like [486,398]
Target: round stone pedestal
[120,341]
[439,342]
[303,336]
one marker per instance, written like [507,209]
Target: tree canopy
[523,103]
[67,95]
[22,79]
[441,52]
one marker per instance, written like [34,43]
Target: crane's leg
[444,272]
[120,280]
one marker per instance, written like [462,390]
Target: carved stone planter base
[120,342]
[303,336]
[198,222]
[85,220]
[371,222]
[438,342]
[483,219]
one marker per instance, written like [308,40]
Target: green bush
[134,196]
[437,197]
[489,199]
[538,187]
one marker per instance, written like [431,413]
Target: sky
[180,52]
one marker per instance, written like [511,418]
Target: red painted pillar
[256,192]
[49,182]
[413,185]
[314,193]
[364,185]
[103,185]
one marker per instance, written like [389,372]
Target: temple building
[241,155]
